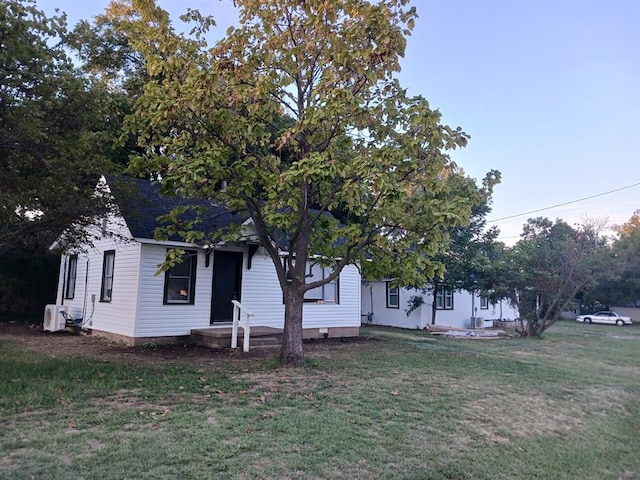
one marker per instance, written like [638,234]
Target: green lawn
[401,405]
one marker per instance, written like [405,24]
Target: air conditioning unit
[477,322]
[53,321]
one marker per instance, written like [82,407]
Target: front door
[227,279]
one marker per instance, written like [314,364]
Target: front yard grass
[402,405]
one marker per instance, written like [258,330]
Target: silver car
[611,318]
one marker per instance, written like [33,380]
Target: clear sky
[547,89]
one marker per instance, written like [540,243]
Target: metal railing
[238,310]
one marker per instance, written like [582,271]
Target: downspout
[473,303]
[64,282]
[370,319]
[86,284]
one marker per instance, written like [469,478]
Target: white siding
[156,319]
[118,315]
[374,301]
[261,293]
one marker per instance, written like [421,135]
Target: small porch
[220,336]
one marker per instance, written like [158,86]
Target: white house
[383,304]
[114,286]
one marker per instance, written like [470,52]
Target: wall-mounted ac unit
[477,322]
[53,321]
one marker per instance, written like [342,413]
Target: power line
[563,204]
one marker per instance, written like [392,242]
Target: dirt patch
[53,344]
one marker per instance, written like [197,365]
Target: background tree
[618,283]
[501,275]
[55,133]
[467,253]
[547,268]
[352,142]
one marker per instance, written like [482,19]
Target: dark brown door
[227,279]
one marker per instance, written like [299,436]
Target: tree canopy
[468,254]
[547,268]
[56,130]
[618,282]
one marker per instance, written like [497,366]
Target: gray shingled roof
[141,204]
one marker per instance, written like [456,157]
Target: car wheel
[620,323]
[587,320]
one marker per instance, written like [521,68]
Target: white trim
[169,243]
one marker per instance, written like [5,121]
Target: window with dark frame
[72,271]
[393,296]
[180,281]
[329,293]
[444,298]
[484,303]
[106,290]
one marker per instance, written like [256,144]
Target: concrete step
[215,337]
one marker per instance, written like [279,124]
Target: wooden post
[234,325]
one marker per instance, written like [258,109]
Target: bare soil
[52,344]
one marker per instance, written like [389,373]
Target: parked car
[612,318]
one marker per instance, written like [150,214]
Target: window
[393,296]
[180,280]
[327,293]
[484,303]
[107,276]
[444,298]
[72,270]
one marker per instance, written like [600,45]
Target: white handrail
[246,327]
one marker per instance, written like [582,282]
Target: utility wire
[563,204]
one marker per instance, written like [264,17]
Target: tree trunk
[292,352]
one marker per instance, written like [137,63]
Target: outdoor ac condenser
[53,321]
[477,322]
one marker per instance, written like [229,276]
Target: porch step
[216,337]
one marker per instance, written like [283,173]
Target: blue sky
[547,89]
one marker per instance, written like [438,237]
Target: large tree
[297,119]
[55,130]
